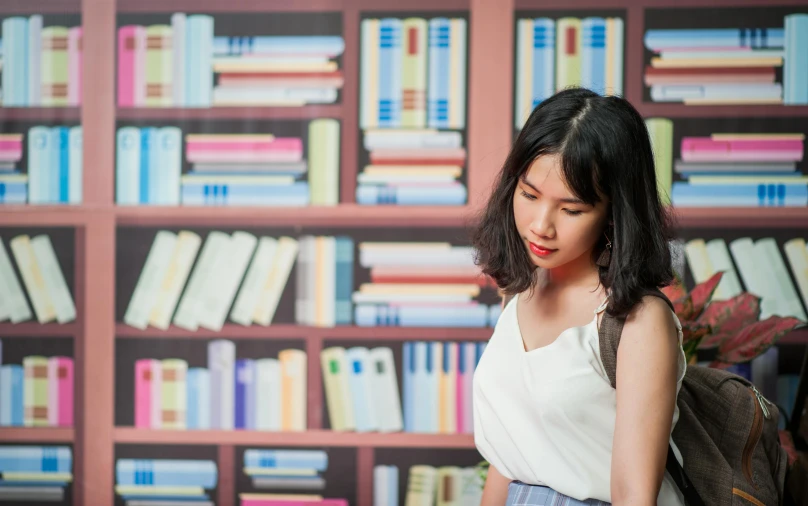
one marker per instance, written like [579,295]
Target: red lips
[540,250]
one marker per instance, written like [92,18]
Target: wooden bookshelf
[61,114]
[24,7]
[233,331]
[310,438]
[45,435]
[216,113]
[677,110]
[742,217]
[34,330]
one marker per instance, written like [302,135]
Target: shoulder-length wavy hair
[605,152]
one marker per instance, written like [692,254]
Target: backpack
[727,433]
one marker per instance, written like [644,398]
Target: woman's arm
[495,492]
[646,395]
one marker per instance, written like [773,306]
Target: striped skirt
[521,494]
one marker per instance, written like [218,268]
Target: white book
[471,487]
[752,274]
[34,77]
[434,371]
[424,390]
[699,261]
[469,364]
[179,266]
[414,139]
[729,286]
[186,316]
[797,255]
[248,296]
[276,280]
[788,302]
[232,268]
[384,390]
[178,54]
[302,283]
[32,278]
[359,382]
[326,296]
[380,486]
[339,399]
[54,280]
[222,370]
[12,298]
[268,394]
[453,257]
[150,280]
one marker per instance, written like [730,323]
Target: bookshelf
[489,127]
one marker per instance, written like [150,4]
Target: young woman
[575,227]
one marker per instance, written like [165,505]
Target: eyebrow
[573,200]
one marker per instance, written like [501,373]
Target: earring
[606,256]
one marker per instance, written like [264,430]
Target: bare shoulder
[652,316]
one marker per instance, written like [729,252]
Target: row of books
[421,284]
[273,469]
[413,73]
[41,66]
[761,268]
[246,499]
[412,167]
[35,473]
[428,486]
[43,280]
[176,64]
[37,393]
[729,169]
[54,172]
[730,65]
[146,482]
[554,54]
[227,169]
[264,394]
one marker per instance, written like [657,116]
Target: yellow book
[293,390]
[11,137]
[569,39]
[413,72]
[420,288]
[797,255]
[280,497]
[756,180]
[767,137]
[369,75]
[405,245]
[421,486]
[35,391]
[398,132]
[247,66]
[22,476]
[174,394]
[320,281]
[33,278]
[337,390]
[457,73]
[449,486]
[53,66]
[447,170]
[159,66]
[324,160]
[660,131]
[158,490]
[524,71]
[447,393]
[182,258]
[258,471]
[673,63]
[732,101]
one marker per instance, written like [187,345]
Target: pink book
[60,391]
[289,502]
[147,385]
[131,66]
[10,155]
[434,154]
[706,149]
[294,144]
[15,145]
[74,53]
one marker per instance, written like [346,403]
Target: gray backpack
[727,434]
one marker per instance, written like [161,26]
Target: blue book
[372,315]
[286,459]
[13,193]
[343,310]
[146,138]
[63,157]
[204,498]
[198,402]
[743,195]
[756,38]
[279,45]
[390,56]
[296,194]
[795,63]
[408,380]
[199,60]
[449,195]
[167,167]
[166,472]
[75,164]
[36,459]
[127,165]
[543,60]
[593,54]
[437,92]
[480,350]
[15,62]
[11,395]
[245,394]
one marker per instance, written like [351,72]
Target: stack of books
[43,280]
[266,394]
[324,282]
[428,486]
[416,92]
[35,473]
[13,183]
[41,65]
[728,65]
[361,389]
[143,482]
[295,470]
[741,170]
[38,393]
[277,70]
[555,54]
[430,284]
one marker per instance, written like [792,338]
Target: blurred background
[234,235]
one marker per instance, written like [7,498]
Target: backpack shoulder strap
[609,336]
[609,340]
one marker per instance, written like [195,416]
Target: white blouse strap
[602,306]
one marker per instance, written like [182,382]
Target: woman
[575,227]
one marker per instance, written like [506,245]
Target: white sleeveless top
[546,416]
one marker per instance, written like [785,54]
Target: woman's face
[557,228]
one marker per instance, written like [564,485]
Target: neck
[580,272]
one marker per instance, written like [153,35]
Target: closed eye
[572,212]
[528,195]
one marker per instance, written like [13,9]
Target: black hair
[605,152]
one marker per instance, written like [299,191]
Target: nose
[542,224]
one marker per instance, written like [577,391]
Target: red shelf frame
[10,7]
[66,114]
[310,438]
[33,329]
[37,435]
